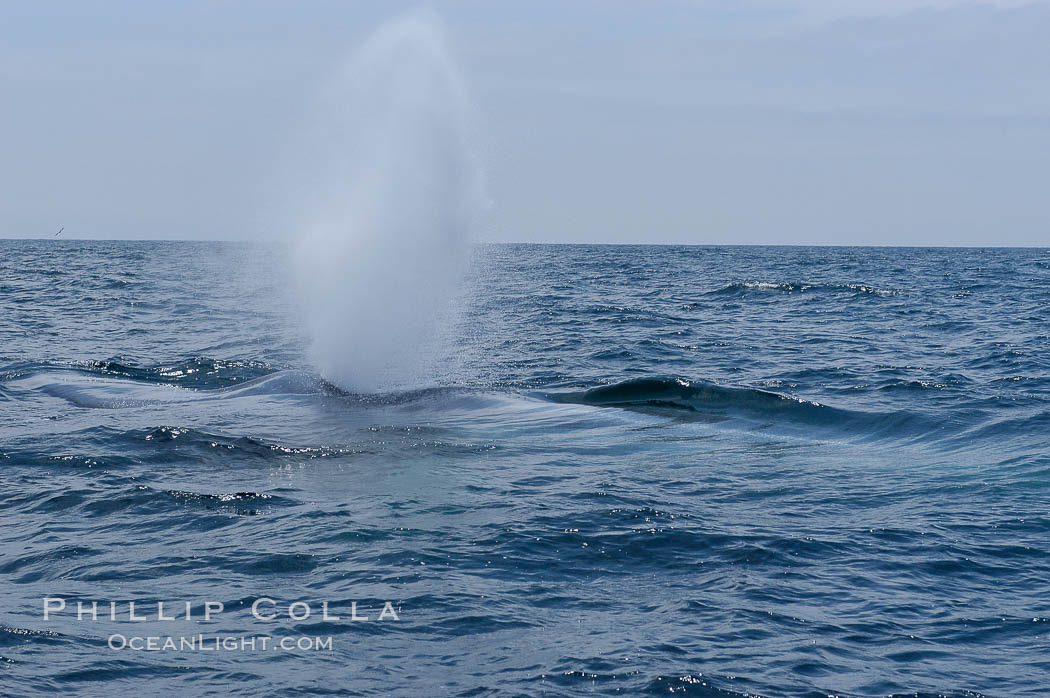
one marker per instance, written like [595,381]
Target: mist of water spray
[394,191]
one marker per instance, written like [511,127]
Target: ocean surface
[632,470]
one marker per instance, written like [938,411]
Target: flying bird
[60,231]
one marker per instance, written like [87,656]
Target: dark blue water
[714,471]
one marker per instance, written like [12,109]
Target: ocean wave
[739,287]
[197,371]
[708,401]
[682,393]
[187,436]
[109,385]
[101,386]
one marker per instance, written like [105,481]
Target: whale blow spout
[395,197]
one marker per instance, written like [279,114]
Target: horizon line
[570,244]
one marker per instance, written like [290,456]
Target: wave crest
[741,287]
[756,408]
[682,393]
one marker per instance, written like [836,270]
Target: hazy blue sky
[741,121]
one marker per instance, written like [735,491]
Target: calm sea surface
[708,471]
